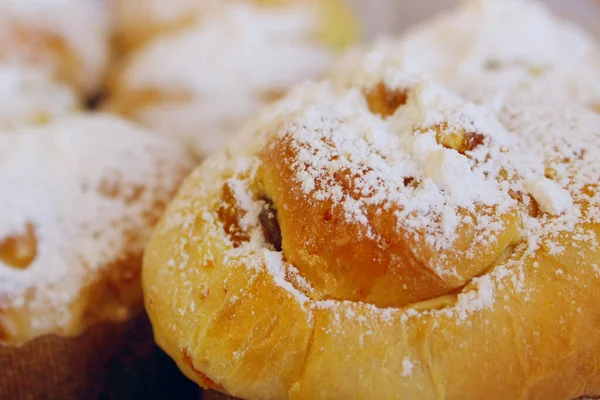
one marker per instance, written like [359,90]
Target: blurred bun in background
[201,83]
[394,16]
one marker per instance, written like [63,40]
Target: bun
[177,86]
[374,235]
[80,197]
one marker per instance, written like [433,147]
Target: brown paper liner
[108,361]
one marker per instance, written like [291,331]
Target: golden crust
[40,48]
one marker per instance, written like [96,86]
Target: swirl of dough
[358,215]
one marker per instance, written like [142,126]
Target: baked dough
[79,198]
[202,83]
[376,236]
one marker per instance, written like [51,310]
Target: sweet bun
[177,85]
[68,39]
[79,198]
[375,235]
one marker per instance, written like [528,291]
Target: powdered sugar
[407,367]
[551,197]
[275,266]
[88,186]
[480,298]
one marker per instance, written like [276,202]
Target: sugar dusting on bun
[80,196]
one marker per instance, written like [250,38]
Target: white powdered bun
[79,199]
[201,84]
